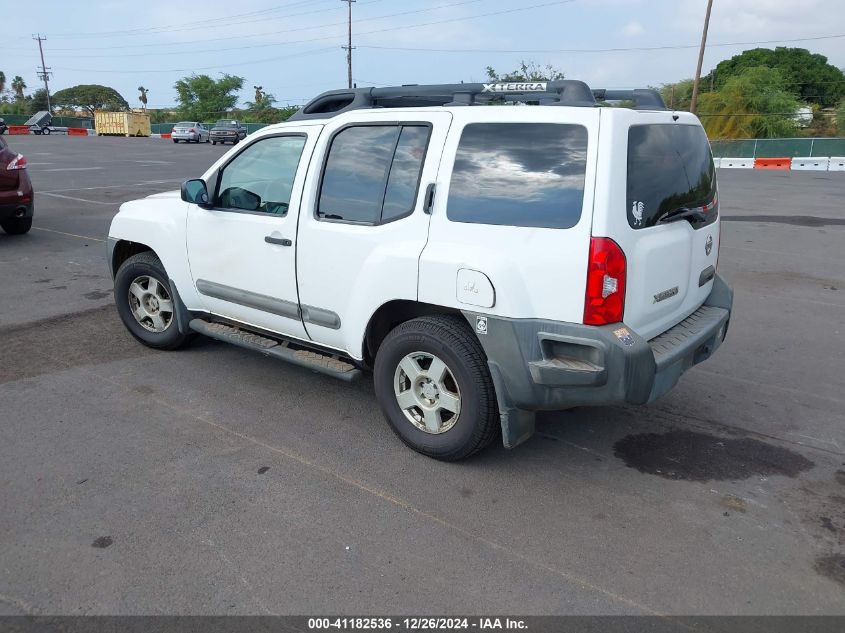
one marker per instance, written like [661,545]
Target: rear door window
[670,169]
[372,173]
[519,174]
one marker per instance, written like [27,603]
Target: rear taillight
[605,298]
[192,131]
[18,162]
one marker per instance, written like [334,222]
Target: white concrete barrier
[837,163]
[817,163]
[155,135]
[717,162]
[736,163]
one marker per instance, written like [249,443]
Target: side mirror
[195,191]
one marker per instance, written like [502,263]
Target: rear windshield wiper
[683,213]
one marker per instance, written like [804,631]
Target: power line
[171,27]
[593,50]
[266,44]
[195,68]
[329,37]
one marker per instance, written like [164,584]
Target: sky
[292,48]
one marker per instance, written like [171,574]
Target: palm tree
[18,85]
[2,82]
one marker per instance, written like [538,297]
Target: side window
[261,177]
[519,174]
[372,173]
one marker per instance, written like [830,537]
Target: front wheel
[433,386]
[145,303]
[46,131]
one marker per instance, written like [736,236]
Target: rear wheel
[175,140]
[46,131]
[214,142]
[145,303]
[16,226]
[433,386]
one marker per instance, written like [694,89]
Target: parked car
[190,131]
[17,199]
[484,263]
[3,127]
[227,131]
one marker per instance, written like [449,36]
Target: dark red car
[17,200]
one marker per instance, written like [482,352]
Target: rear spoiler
[643,98]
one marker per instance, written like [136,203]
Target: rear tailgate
[658,200]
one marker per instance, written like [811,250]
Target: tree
[202,98]
[37,102]
[752,104]
[840,119]
[90,97]
[2,82]
[18,85]
[677,96]
[527,71]
[806,74]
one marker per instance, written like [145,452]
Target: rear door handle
[282,241]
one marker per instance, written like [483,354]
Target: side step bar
[277,348]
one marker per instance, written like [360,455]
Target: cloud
[633,29]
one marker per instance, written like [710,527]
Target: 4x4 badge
[708,245]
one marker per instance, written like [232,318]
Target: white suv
[484,262]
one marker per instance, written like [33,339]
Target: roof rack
[565,92]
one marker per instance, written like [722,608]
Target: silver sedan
[190,131]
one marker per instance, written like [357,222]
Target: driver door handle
[283,241]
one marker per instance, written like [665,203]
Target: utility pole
[694,102]
[44,73]
[348,48]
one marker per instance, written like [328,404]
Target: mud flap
[517,424]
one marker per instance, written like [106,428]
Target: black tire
[146,264]
[450,339]
[16,226]
[214,142]
[175,140]
[46,131]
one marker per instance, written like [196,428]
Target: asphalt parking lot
[215,481]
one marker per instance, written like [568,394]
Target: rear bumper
[19,210]
[540,365]
[20,201]
[184,136]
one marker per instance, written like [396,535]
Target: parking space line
[73,169]
[83,237]
[117,186]
[58,195]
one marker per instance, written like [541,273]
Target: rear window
[670,169]
[184,124]
[519,174]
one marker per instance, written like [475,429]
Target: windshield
[229,124]
[670,168]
